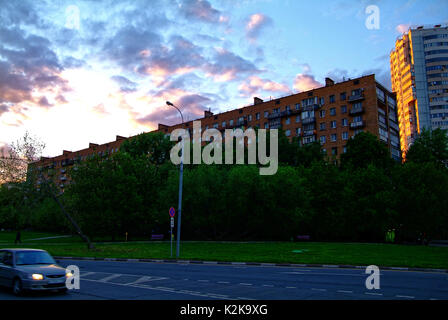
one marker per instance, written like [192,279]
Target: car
[31,270]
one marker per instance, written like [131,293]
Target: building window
[231,122]
[287,108]
[344,122]
[333,124]
[297,106]
[333,111]
[249,117]
[322,113]
[223,124]
[334,151]
[297,119]
[288,121]
[343,96]
[215,125]
[334,137]
[257,116]
[322,126]
[332,99]
[288,133]
[344,109]
[345,149]
[322,101]
[323,139]
[266,125]
[324,151]
[298,131]
[344,135]
[266,114]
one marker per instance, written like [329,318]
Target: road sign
[172,212]
[172,222]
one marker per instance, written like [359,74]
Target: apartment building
[330,115]
[419,73]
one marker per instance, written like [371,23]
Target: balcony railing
[357,97]
[307,133]
[357,124]
[282,114]
[309,120]
[312,107]
[358,110]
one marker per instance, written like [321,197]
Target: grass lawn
[279,252]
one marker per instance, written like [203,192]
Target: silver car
[31,269]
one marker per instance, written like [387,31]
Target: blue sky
[74,72]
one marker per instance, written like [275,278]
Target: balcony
[313,107]
[309,120]
[67,162]
[357,124]
[394,126]
[307,133]
[282,114]
[63,178]
[357,97]
[358,110]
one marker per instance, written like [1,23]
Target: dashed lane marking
[113,276]
[406,297]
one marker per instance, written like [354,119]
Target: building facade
[419,74]
[330,115]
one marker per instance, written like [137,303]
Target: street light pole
[179,219]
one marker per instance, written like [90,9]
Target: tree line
[359,198]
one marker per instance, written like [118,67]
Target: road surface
[180,281]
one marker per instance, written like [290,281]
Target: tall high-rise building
[419,73]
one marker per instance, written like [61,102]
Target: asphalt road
[168,281]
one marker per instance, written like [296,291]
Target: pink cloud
[402,28]
[305,82]
[256,84]
[255,24]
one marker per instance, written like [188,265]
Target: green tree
[155,145]
[430,146]
[366,149]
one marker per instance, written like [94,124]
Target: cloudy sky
[74,72]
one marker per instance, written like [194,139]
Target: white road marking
[85,274]
[407,297]
[373,294]
[204,280]
[113,276]
[293,272]
[242,298]
[245,284]
[291,287]
[318,289]
[268,285]
[144,279]
[345,291]
[224,282]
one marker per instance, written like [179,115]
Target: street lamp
[180,184]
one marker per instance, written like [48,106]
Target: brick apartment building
[331,115]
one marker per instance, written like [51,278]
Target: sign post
[172,212]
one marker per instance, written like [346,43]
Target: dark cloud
[192,107]
[27,62]
[3,108]
[43,102]
[127,47]
[200,10]
[228,64]
[125,84]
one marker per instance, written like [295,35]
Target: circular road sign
[172,212]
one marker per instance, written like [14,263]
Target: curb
[262,264]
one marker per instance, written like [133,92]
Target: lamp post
[179,219]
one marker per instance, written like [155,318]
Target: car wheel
[17,288]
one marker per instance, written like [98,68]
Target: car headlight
[37,276]
[68,275]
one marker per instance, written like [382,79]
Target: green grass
[278,252]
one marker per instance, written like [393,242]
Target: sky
[74,72]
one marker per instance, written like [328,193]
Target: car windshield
[33,257]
